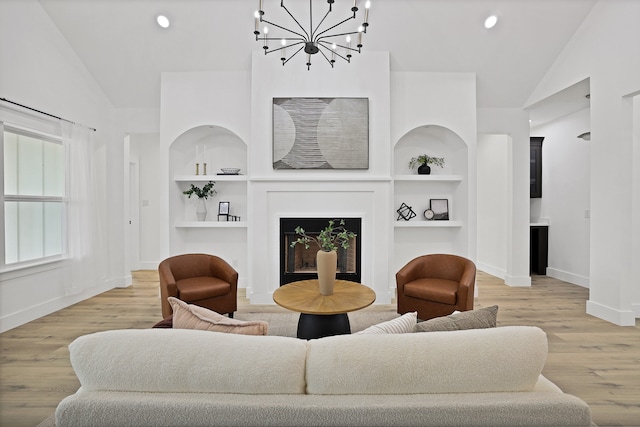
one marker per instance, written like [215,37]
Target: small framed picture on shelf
[223,208]
[440,208]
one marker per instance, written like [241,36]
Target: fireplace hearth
[299,263]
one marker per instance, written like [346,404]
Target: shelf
[207,178]
[322,177]
[211,224]
[427,224]
[445,178]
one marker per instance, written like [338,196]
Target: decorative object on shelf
[440,208]
[405,212]
[201,153]
[429,214]
[230,171]
[321,133]
[317,38]
[203,194]
[424,161]
[223,210]
[328,240]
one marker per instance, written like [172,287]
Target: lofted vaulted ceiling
[125,50]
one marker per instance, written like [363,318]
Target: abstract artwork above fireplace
[320,133]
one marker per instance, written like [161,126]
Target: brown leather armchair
[436,285]
[200,279]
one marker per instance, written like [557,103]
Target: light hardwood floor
[588,357]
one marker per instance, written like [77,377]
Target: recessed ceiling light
[163,21]
[491,21]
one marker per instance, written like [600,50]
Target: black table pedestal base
[311,326]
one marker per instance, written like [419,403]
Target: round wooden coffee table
[321,315]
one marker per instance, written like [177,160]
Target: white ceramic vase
[201,209]
[326,264]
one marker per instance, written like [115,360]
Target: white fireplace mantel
[272,200]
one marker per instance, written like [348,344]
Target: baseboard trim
[148,265]
[610,314]
[521,281]
[568,277]
[494,271]
[29,314]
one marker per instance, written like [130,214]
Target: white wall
[514,123]
[565,201]
[445,101]
[39,69]
[146,150]
[493,203]
[605,49]
[319,193]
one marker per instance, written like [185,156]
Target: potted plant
[328,240]
[424,161]
[203,194]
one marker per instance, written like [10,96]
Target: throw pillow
[189,316]
[400,325]
[472,319]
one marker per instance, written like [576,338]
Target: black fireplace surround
[298,263]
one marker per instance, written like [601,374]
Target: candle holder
[197,168]
[204,171]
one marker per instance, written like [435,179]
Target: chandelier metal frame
[315,40]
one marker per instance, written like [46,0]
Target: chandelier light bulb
[360,29]
[367,5]
[265,30]
[348,39]
[283,42]
[256,14]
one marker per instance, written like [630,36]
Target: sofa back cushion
[168,360]
[500,359]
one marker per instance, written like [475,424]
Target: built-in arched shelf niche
[419,235]
[219,148]
[216,146]
[435,141]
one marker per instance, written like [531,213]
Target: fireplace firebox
[299,263]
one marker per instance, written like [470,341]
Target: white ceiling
[124,49]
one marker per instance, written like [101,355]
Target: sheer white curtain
[85,236]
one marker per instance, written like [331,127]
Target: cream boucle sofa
[167,377]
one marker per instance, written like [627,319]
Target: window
[34,196]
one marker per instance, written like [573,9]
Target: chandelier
[323,38]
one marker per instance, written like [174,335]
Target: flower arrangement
[423,159]
[329,239]
[202,193]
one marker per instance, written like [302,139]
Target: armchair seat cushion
[199,288]
[438,290]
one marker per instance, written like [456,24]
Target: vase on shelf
[326,263]
[424,169]
[201,209]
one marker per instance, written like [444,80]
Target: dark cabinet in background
[535,146]
[538,255]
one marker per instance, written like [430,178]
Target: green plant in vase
[329,239]
[423,161]
[202,194]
